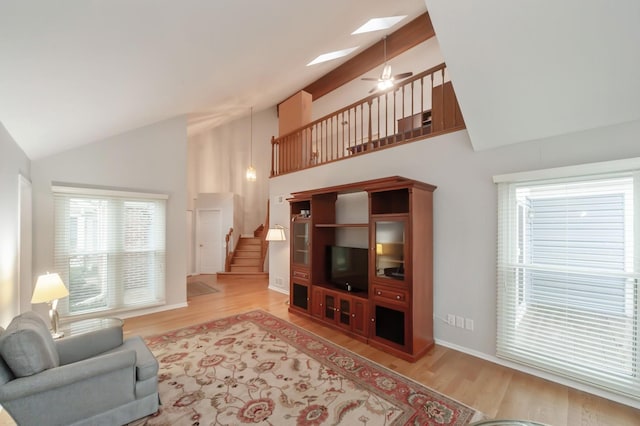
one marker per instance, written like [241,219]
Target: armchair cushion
[27,346]
[75,348]
[5,372]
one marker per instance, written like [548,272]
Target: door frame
[196,239]
[24,281]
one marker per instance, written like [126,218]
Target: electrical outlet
[459,322]
[451,319]
[468,324]
[279,281]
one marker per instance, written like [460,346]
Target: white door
[210,242]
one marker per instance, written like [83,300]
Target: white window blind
[568,277]
[109,249]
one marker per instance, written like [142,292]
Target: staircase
[248,255]
[247,260]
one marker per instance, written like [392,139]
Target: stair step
[256,247]
[239,261]
[245,268]
[246,253]
[250,240]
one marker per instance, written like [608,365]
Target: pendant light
[251,171]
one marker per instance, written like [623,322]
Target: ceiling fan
[386,80]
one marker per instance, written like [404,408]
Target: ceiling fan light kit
[386,80]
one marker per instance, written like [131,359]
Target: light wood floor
[497,391]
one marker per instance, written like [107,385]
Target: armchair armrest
[67,374]
[75,348]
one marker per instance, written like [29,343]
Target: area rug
[255,368]
[198,288]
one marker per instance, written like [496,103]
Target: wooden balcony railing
[422,106]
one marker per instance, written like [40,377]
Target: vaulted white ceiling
[526,70]
[73,72]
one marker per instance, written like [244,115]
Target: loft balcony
[420,107]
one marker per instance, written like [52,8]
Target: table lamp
[50,288]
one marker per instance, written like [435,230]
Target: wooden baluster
[412,108]
[273,155]
[370,128]
[422,106]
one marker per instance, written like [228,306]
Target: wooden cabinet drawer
[390,294]
[300,274]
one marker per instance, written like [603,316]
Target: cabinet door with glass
[300,242]
[390,259]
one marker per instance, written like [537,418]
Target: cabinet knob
[373,319]
[337,310]
[379,293]
[321,304]
[398,297]
[353,315]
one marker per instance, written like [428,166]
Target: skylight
[332,55]
[377,24]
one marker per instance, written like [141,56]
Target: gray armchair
[90,379]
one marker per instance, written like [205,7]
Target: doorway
[209,241]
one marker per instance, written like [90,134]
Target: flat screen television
[348,268]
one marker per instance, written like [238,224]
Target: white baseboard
[544,375]
[153,310]
[279,290]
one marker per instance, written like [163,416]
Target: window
[109,249]
[568,276]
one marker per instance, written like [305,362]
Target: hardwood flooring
[497,391]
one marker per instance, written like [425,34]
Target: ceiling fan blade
[369,79]
[402,75]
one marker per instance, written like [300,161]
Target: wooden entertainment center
[394,310]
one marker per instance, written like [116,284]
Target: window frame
[512,296]
[116,213]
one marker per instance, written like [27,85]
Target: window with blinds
[568,277]
[109,249]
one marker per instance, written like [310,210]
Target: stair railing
[418,107]
[264,242]
[228,243]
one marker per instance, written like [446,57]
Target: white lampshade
[49,287]
[276,234]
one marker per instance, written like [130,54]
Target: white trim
[626,164]
[106,192]
[279,290]
[543,374]
[24,279]
[153,310]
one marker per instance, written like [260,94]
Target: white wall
[13,162]
[465,213]
[151,159]
[218,159]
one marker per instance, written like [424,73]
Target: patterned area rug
[255,368]
[198,288]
